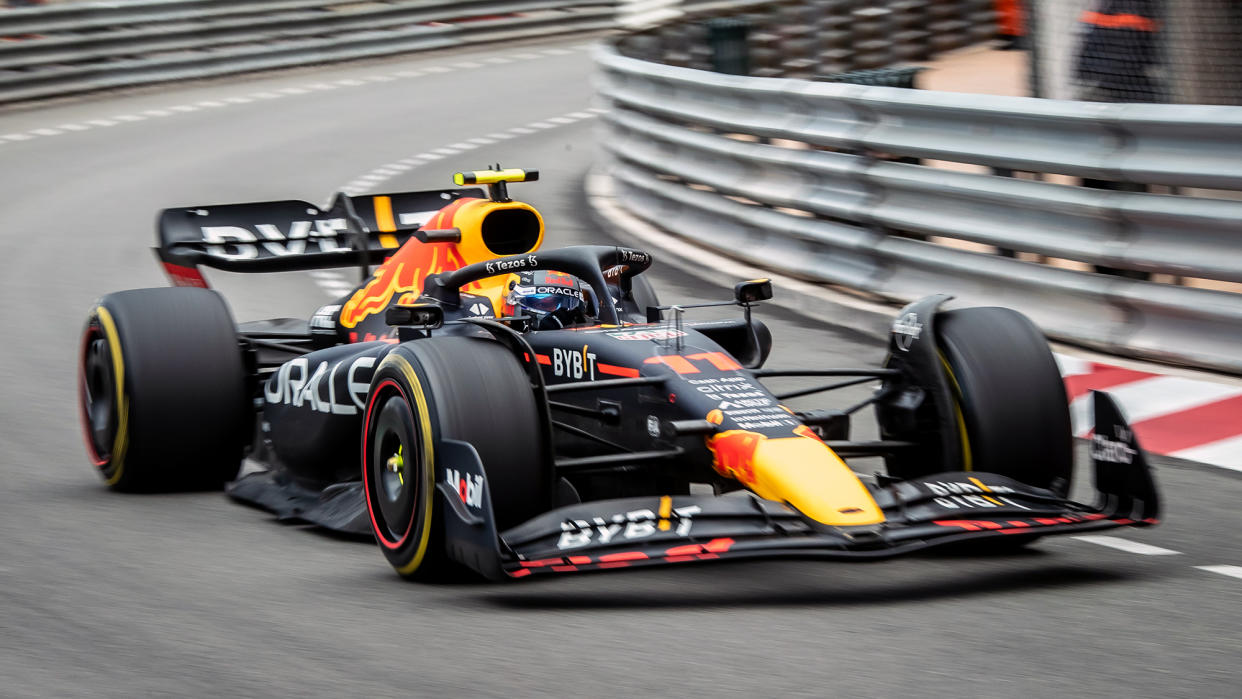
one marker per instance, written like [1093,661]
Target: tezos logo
[907,329]
[469,486]
[503,265]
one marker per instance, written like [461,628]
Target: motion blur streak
[191,595]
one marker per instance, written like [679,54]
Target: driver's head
[550,299]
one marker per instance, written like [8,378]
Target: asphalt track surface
[192,595]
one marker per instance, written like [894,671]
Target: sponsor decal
[469,487]
[627,255]
[750,407]
[626,526]
[498,266]
[1113,451]
[323,319]
[574,364]
[523,290]
[294,384]
[558,278]
[652,334]
[907,329]
[956,495]
[237,243]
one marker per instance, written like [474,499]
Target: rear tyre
[162,390]
[462,388]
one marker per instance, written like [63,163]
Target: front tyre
[1013,415]
[461,388]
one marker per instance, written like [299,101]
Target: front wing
[938,510]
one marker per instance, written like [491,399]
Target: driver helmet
[550,299]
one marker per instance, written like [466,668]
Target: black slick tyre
[461,388]
[1013,415]
[162,390]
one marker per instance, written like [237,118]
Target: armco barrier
[68,49]
[686,149]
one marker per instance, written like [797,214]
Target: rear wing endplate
[291,235]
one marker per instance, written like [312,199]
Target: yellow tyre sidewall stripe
[967,457]
[121,441]
[427,487]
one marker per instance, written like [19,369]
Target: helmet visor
[547,303]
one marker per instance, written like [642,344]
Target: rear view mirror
[426,315]
[752,291]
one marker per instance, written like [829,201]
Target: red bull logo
[734,454]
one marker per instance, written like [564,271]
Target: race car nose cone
[805,473]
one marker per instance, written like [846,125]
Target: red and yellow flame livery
[488,228]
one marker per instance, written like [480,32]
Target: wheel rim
[99,395]
[394,467]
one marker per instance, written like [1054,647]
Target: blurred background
[1079,160]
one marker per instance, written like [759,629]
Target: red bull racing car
[479,404]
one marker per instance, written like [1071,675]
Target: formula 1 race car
[478,404]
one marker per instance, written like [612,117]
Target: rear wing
[291,235]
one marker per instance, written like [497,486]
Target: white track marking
[223,102]
[1073,366]
[1227,453]
[334,283]
[1128,546]
[1231,571]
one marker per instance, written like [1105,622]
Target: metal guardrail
[67,49]
[850,216]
